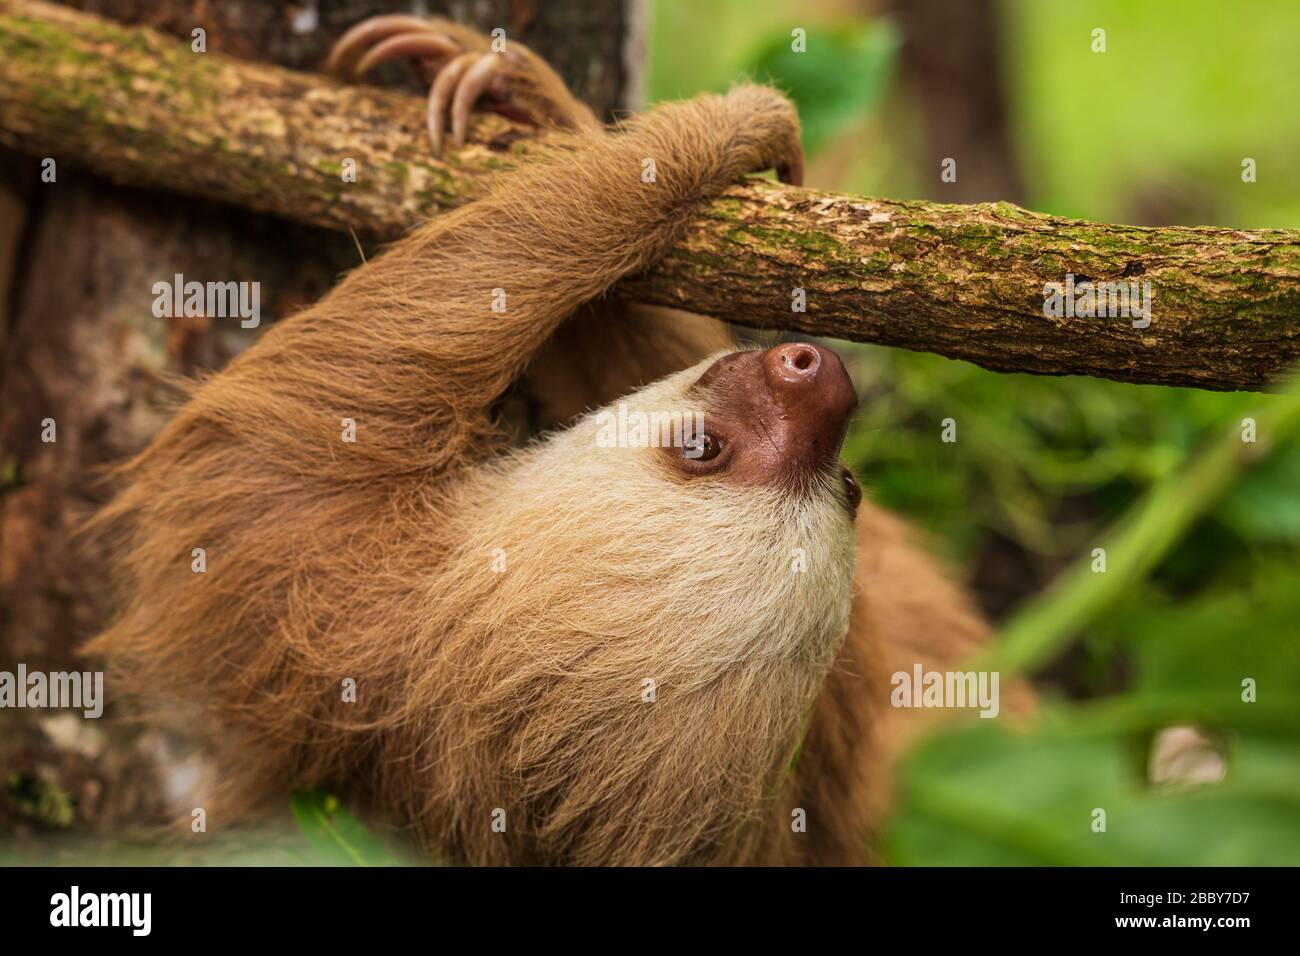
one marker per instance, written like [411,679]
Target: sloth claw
[475,83]
[366,34]
[459,78]
[791,171]
[426,47]
[440,97]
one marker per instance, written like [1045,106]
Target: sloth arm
[418,344]
[608,347]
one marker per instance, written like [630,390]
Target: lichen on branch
[968,282]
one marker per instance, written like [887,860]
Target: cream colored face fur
[691,576]
[621,659]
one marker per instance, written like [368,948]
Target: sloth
[555,650]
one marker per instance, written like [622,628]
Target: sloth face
[774,418]
[743,551]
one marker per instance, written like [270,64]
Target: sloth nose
[791,365]
[816,398]
[799,373]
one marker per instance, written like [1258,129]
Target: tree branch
[964,281]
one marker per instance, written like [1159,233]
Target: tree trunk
[952,65]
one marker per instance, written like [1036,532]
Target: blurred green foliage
[830,100]
[986,795]
[1045,469]
[41,800]
[1183,93]
[335,836]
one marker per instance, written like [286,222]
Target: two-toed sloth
[566,652]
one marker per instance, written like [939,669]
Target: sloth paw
[459,64]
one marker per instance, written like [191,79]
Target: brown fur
[480,690]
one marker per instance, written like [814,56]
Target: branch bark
[962,281]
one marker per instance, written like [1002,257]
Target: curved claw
[440,94]
[470,89]
[791,171]
[422,45]
[368,32]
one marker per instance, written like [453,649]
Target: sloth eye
[704,448]
[852,490]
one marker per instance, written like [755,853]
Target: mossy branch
[141,108]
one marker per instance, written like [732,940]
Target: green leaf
[840,77]
[986,796]
[1265,506]
[1210,643]
[336,836]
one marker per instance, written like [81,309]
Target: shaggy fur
[522,688]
